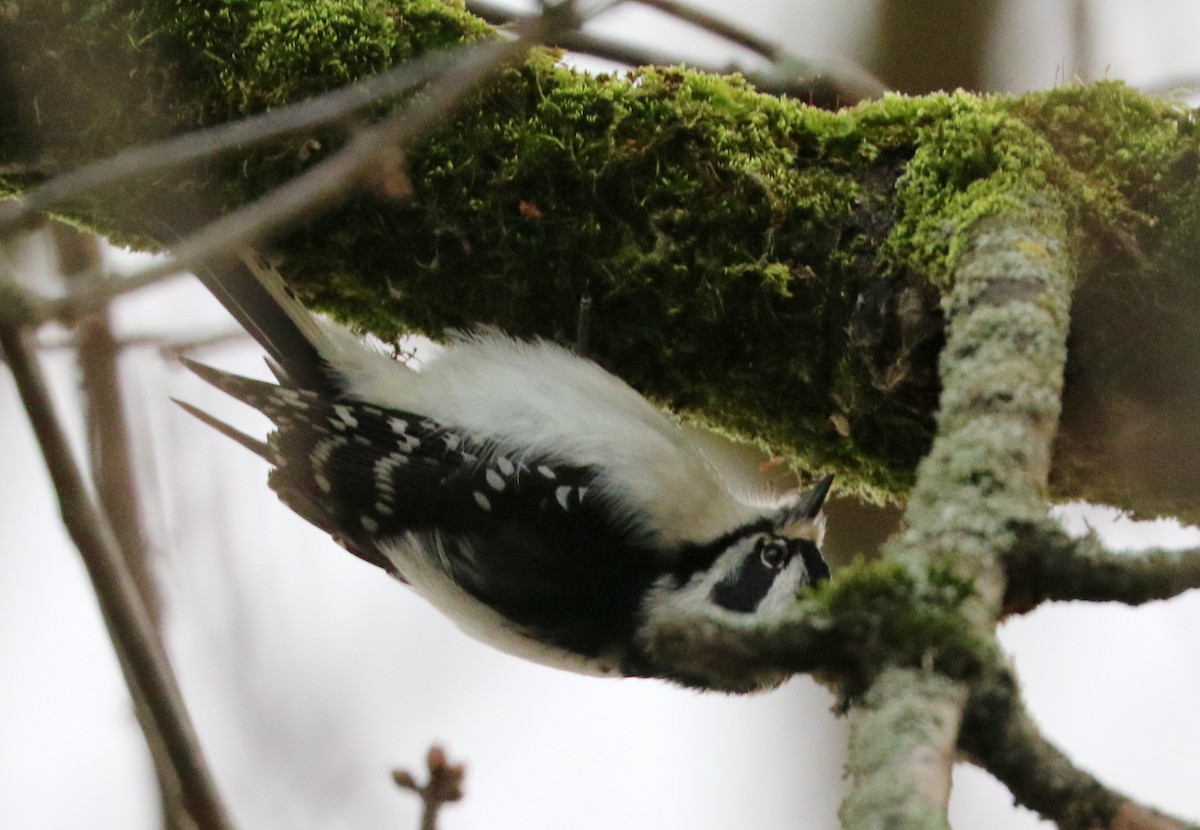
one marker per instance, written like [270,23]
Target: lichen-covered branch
[1046,565]
[871,616]
[999,735]
[1002,374]
[903,743]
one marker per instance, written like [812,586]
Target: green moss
[244,57]
[895,616]
[745,254]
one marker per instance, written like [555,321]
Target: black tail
[254,293]
[259,448]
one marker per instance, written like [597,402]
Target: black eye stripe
[814,562]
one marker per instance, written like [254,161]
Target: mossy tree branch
[767,268]
[1002,376]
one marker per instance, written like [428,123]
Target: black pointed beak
[811,502]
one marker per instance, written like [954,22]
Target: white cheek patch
[784,590]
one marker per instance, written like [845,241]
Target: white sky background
[310,675]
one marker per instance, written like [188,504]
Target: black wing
[534,539]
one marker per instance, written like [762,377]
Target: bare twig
[168,346]
[1046,565]
[298,199]
[443,787]
[112,475]
[129,623]
[788,74]
[721,28]
[999,736]
[108,441]
[202,144]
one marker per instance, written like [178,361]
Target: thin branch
[727,653]
[721,28]
[999,736]
[167,346]
[443,787]
[129,623]
[371,157]
[1046,565]
[112,476]
[203,144]
[827,83]
[303,196]
[108,439]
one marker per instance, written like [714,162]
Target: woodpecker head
[756,569]
[761,571]
[753,573]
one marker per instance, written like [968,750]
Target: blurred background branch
[189,786]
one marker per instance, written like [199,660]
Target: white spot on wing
[322,483]
[369,524]
[494,480]
[561,495]
[482,501]
[546,472]
[346,415]
[505,465]
[384,468]
[399,425]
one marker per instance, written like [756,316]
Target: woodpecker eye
[772,552]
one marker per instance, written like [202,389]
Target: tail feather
[253,392]
[257,297]
[259,448]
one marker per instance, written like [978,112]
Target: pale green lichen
[907,714]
